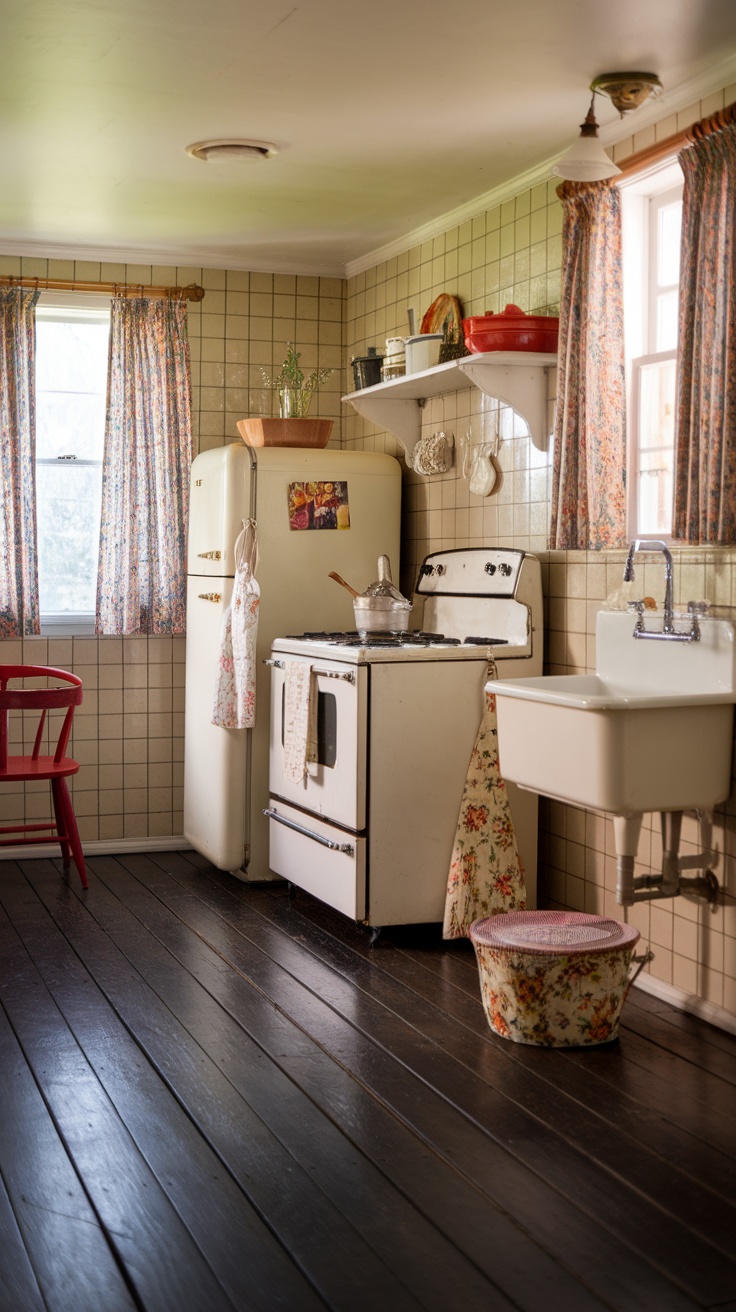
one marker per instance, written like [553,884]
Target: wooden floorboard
[217,1097]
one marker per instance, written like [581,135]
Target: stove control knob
[440,569]
[490,568]
[427,569]
[505,570]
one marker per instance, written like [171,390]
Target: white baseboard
[99,847]
[725,1020]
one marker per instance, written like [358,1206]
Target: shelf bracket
[520,386]
[403,418]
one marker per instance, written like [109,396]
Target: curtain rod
[673,145]
[190,293]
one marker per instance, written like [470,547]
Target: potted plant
[295,392]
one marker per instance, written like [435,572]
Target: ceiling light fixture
[233,148]
[627,90]
[586,160]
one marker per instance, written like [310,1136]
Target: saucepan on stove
[381,608]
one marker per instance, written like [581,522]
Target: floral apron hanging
[234,704]
[486,876]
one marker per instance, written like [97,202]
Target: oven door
[334,785]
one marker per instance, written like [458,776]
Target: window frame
[82,307]
[642,197]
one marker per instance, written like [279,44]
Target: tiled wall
[512,253]
[129,731]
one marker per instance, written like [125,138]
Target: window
[71,383]
[652,218]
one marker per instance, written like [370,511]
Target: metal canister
[367,369]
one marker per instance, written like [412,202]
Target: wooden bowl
[285,432]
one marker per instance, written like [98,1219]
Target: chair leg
[62,802]
[61,822]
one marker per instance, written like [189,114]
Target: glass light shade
[586,161]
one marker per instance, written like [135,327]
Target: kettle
[381,608]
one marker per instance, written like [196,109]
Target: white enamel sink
[651,730]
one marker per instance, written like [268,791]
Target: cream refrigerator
[358,518]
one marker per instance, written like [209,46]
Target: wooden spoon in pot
[343,584]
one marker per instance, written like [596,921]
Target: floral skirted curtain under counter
[588,481]
[19,613]
[705,443]
[141,586]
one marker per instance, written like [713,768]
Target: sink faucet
[647,544]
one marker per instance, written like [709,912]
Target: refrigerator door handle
[272,814]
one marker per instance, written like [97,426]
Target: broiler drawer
[318,857]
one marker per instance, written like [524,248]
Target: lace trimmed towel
[234,704]
[300,719]
[486,876]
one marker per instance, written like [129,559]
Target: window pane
[655,492]
[667,322]
[71,357]
[70,424]
[71,381]
[71,384]
[668,245]
[656,446]
[68,515]
[657,404]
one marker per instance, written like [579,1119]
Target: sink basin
[651,730]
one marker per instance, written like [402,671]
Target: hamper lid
[553,932]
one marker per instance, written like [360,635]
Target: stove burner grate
[486,642]
[391,640]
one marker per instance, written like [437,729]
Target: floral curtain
[705,441]
[19,613]
[588,481]
[141,582]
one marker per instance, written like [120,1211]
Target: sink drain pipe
[669,882]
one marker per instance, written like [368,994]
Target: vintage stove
[370,829]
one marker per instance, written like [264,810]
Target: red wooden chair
[56,768]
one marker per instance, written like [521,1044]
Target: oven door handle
[323,674]
[272,814]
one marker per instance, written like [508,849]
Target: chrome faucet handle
[698,607]
[636,605]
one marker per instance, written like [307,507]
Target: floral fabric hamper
[554,978]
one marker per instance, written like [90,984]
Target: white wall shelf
[517,378]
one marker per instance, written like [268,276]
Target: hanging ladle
[353,591]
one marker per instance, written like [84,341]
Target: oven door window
[326,727]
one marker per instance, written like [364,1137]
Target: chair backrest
[39,699]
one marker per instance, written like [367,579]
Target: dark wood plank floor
[215,1097]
